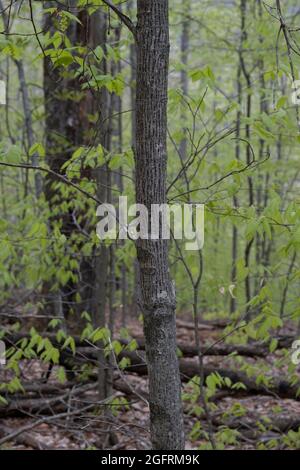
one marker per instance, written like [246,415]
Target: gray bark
[184,79]
[157,293]
[132,58]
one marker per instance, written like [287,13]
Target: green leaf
[54,322]
[125,362]
[61,375]
[14,154]
[117,347]
[71,16]
[37,149]
[70,342]
[281,102]
[273,345]
[3,400]
[132,346]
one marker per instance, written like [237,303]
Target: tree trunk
[62,134]
[157,293]
[132,60]
[98,25]
[184,79]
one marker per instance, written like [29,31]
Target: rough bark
[157,293]
[63,133]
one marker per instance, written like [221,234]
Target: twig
[50,418]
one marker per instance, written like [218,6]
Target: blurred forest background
[70,306]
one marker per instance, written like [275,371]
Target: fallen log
[47,419]
[123,387]
[190,369]
[25,439]
[34,406]
[46,388]
[280,424]
[203,325]
[37,405]
[20,406]
[258,427]
[189,350]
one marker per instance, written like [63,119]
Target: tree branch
[62,178]
[124,18]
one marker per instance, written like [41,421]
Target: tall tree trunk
[26,108]
[61,135]
[237,156]
[132,59]
[98,25]
[247,76]
[184,79]
[157,292]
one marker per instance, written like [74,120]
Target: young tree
[157,292]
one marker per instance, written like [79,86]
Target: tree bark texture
[157,292]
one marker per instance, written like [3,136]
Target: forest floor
[54,415]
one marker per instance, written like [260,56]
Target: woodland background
[70,307]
